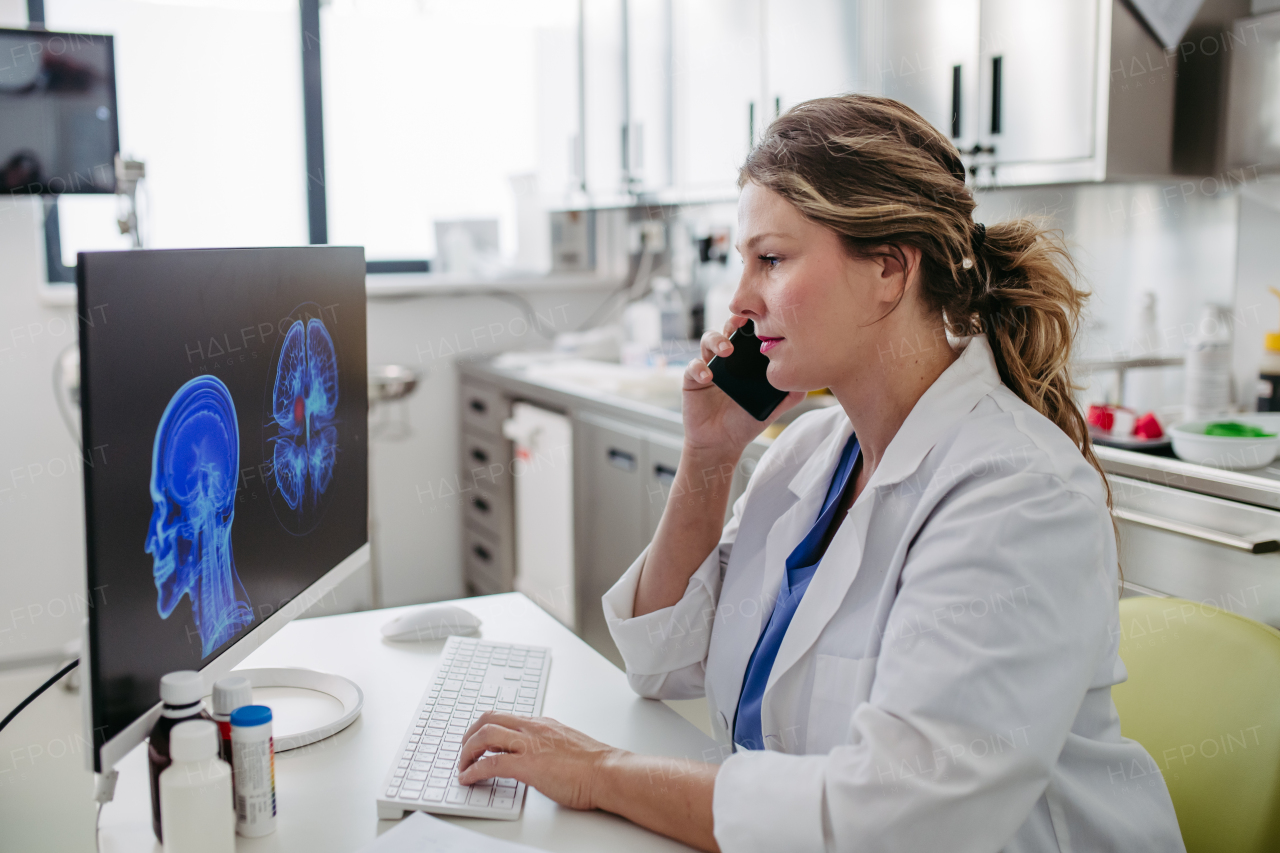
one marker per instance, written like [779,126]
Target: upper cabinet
[1034,93]
[1038,68]
[673,93]
[933,68]
[604,98]
[648,157]
[1253,128]
[809,51]
[717,66]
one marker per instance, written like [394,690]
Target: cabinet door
[648,140]
[809,51]
[557,127]
[612,518]
[604,97]
[929,61]
[1253,111]
[661,460]
[716,59]
[1038,76]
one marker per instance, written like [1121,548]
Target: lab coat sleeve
[999,623]
[666,651]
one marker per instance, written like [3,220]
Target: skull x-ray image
[304,405]
[195,465]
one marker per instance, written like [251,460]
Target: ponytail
[1029,308]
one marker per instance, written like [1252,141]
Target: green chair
[1203,697]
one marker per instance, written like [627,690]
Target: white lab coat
[946,681]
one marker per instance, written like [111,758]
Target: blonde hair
[879,175]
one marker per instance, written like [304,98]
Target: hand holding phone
[741,374]
[714,421]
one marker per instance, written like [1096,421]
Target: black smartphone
[741,374]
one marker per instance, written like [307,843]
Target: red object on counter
[1102,417]
[1148,427]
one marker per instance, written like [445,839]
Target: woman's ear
[899,266]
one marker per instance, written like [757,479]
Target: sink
[654,386]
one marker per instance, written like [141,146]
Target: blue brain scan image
[194,471]
[304,405]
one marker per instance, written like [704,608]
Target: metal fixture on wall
[128,174]
[388,383]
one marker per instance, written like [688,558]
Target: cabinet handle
[479,455]
[481,552]
[622,459]
[664,473]
[997,67]
[481,504]
[955,102]
[478,405]
[751,125]
[1259,545]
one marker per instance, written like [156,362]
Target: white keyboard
[474,676]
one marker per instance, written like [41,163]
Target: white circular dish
[1227,452]
[347,693]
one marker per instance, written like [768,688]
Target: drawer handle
[1260,545]
[479,455]
[665,474]
[481,552]
[479,406]
[481,504]
[622,459]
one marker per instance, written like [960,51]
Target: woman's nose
[745,302]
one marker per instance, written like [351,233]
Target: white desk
[326,792]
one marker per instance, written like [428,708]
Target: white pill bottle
[195,793]
[254,761]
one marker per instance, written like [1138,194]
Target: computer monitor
[224,405]
[58,127]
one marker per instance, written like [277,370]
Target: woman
[908,629]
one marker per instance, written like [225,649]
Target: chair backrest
[1203,697]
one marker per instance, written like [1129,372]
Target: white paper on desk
[422,833]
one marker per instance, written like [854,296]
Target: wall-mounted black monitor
[58,128]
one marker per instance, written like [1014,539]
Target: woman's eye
[771,260]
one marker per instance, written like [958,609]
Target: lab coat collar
[818,469]
[953,395]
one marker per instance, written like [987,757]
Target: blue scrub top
[801,566]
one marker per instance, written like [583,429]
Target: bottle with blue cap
[254,764]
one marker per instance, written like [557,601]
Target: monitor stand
[306,706]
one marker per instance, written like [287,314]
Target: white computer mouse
[431,622]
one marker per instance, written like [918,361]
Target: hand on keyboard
[473,676]
[561,762]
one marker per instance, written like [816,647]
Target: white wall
[418,539]
[42,587]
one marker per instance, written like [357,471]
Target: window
[210,97]
[433,107]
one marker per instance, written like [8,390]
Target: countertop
[649,397]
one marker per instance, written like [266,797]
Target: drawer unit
[488,562]
[1198,547]
[485,461]
[489,511]
[483,408]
